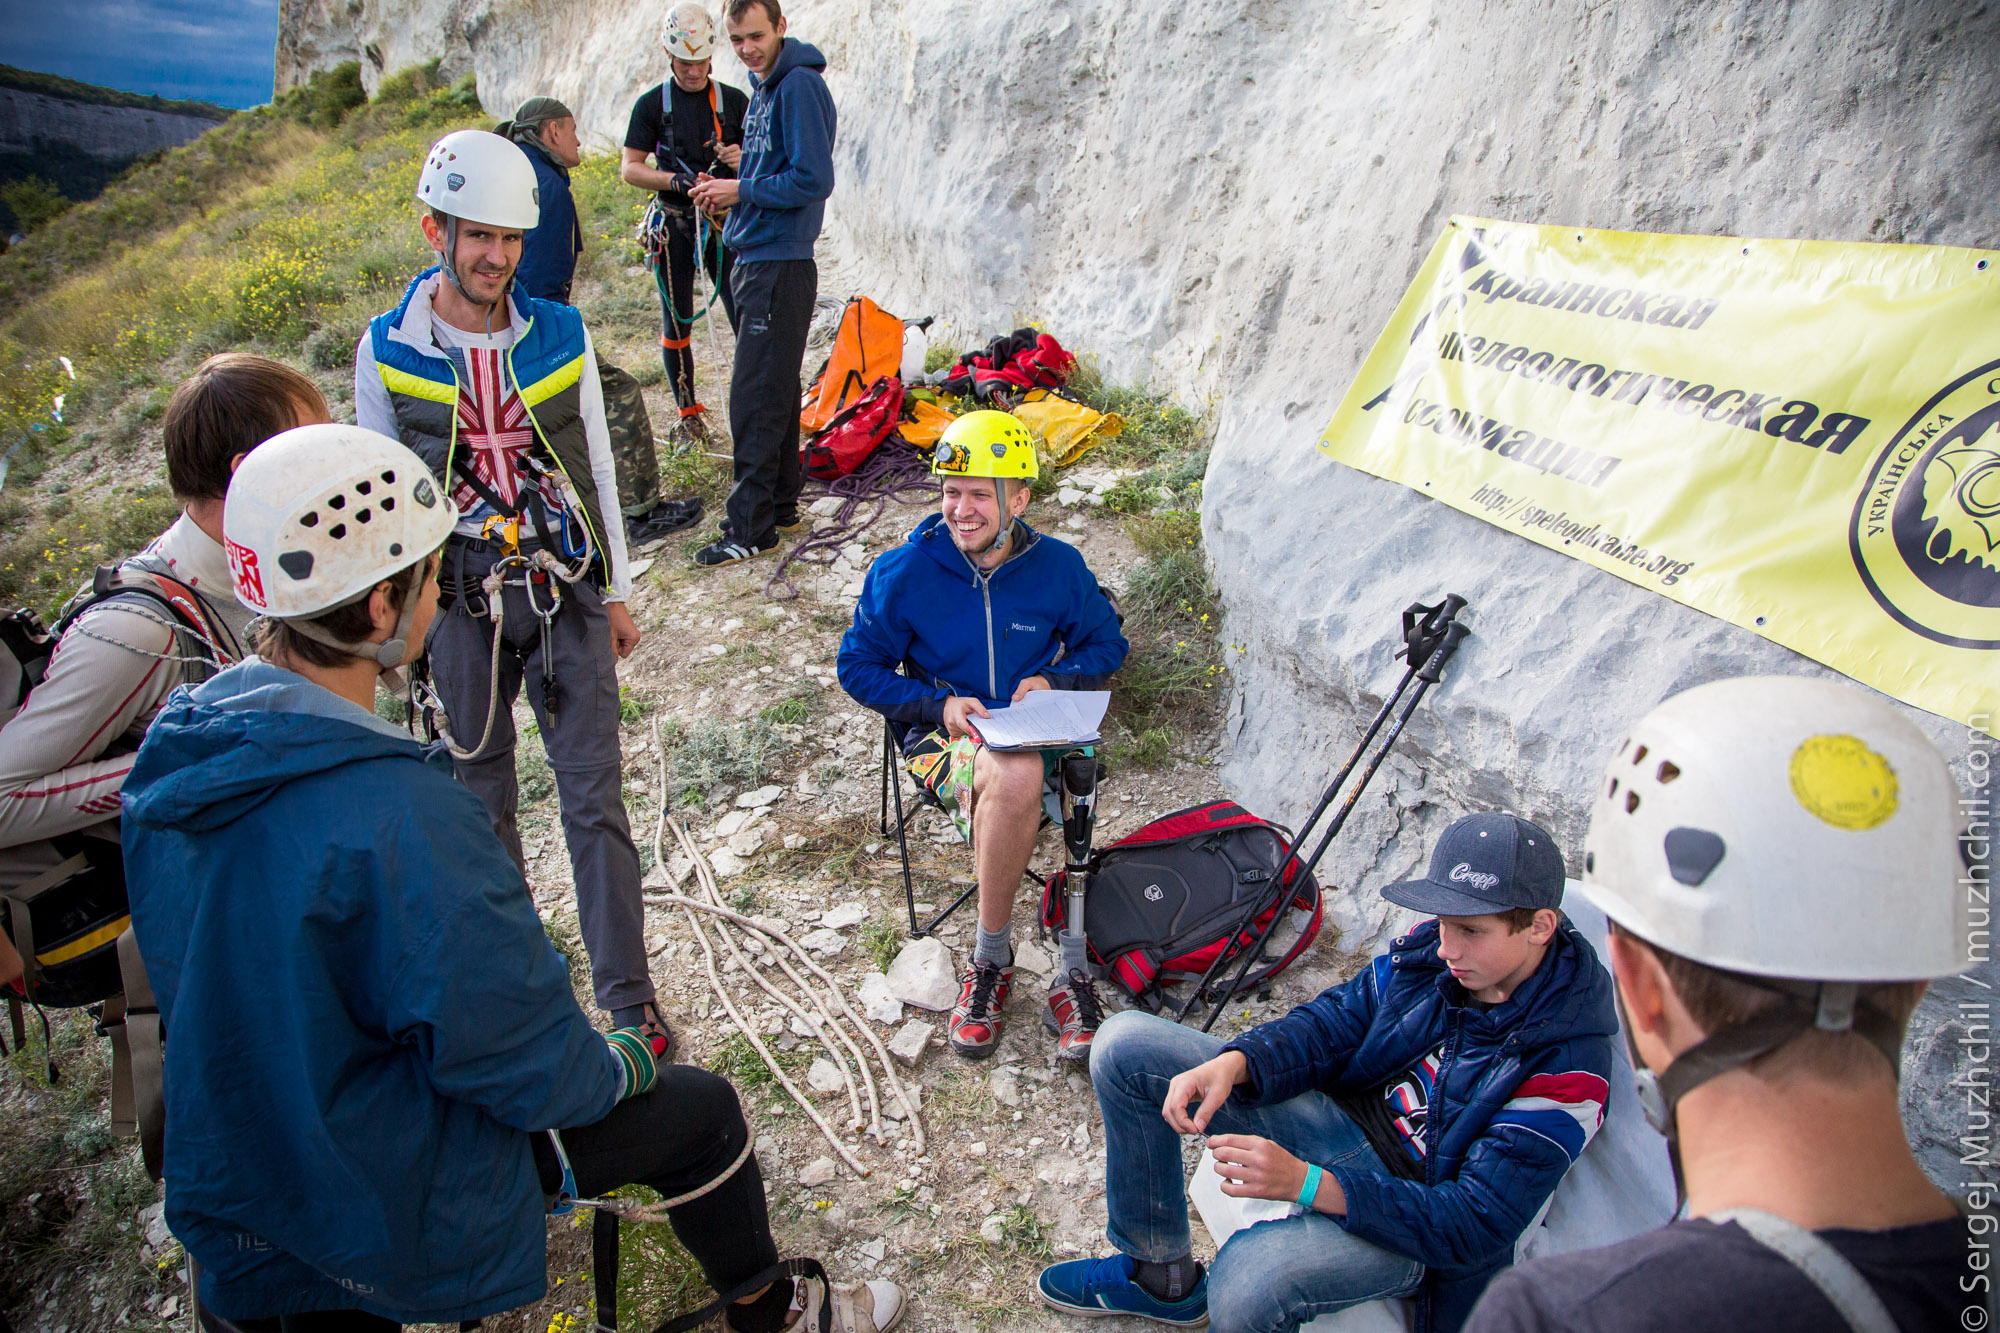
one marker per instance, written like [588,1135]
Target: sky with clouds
[215,50]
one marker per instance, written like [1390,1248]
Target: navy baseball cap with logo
[1483,864]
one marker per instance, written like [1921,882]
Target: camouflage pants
[632,449]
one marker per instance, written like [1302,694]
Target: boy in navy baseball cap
[1419,1114]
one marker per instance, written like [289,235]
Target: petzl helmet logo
[1925,535]
[454,181]
[243,572]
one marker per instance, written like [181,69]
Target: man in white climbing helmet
[491,389]
[380,1075]
[1782,865]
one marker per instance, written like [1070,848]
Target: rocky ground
[775,775]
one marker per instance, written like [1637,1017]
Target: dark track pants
[676,351]
[774,305]
[580,738]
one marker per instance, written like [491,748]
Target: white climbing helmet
[1787,828]
[475,176]
[318,515]
[688,32]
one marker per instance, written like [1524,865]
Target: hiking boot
[729,551]
[793,525]
[664,519]
[858,1307]
[1073,1014]
[1094,1287]
[975,1019]
[692,428]
[646,1018]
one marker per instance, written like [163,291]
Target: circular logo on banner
[1925,535]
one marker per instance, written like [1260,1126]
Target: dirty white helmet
[475,176]
[318,515]
[1783,827]
[688,32]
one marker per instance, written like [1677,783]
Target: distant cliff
[32,123]
[77,136]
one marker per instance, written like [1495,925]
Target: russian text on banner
[1800,437]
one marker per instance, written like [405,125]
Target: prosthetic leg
[1079,792]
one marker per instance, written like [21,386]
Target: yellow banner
[1800,437]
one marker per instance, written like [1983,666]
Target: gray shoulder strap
[1822,1265]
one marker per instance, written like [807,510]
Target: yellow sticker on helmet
[1842,781]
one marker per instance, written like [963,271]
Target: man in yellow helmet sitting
[975,611]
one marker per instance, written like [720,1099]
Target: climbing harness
[895,471]
[540,572]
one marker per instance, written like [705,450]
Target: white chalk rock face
[1227,202]
[923,975]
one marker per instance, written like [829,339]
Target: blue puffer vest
[547,366]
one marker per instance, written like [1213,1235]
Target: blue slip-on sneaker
[1095,1287]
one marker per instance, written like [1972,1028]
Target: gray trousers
[581,740]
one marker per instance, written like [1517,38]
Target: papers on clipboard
[1045,720]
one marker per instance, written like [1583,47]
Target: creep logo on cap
[1925,534]
[1842,781]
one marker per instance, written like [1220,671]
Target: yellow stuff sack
[924,424]
[1064,429]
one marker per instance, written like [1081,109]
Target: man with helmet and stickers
[492,390]
[379,1073]
[691,125]
[1782,863]
[974,611]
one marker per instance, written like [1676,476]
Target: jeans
[580,737]
[1270,1277]
[774,310]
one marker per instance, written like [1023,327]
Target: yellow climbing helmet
[986,444]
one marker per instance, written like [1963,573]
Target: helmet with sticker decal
[318,515]
[1799,834]
[1783,827]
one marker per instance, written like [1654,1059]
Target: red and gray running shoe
[975,1019]
[1073,1015]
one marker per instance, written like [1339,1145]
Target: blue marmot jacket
[960,632]
[365,1023]
[1519,1090]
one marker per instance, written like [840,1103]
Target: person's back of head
[1788,851]
[232,403]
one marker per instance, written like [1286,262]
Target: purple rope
[895,471]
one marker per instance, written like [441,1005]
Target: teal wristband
[1310,1190]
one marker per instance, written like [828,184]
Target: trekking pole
[1424,631]
[1423,628]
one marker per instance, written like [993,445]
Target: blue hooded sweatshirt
[956,631]
[365,1021]
[787,168]
[1518,1092]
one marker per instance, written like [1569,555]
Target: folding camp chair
[892,783]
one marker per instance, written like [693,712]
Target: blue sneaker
[1093,1287]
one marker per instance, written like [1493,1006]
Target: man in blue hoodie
[377,1073]
[1419,1116]
[977,610]
[776,205]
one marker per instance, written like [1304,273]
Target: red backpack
[854,432]
[1168,900]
